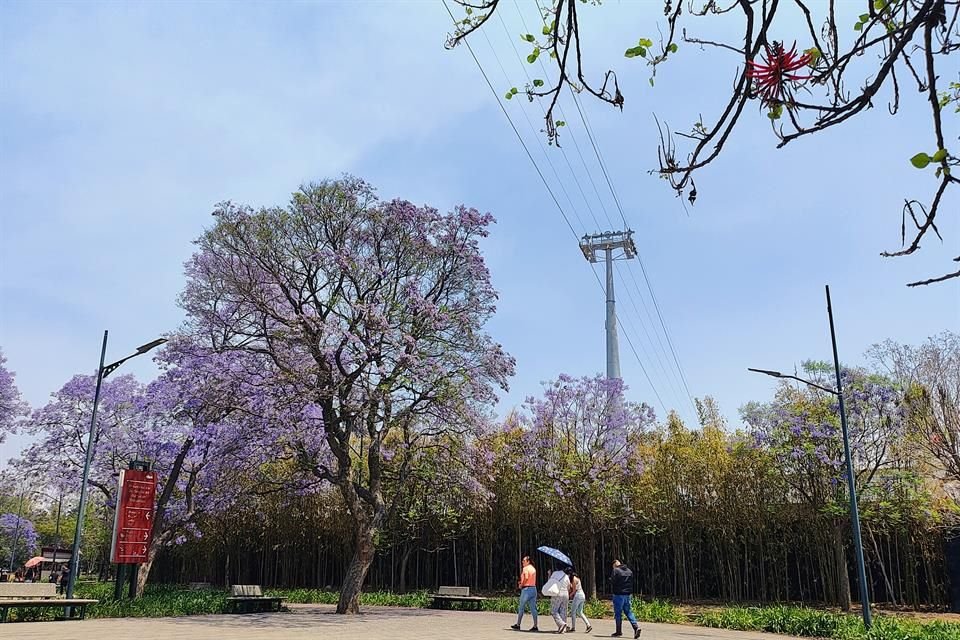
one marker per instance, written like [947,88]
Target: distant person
[577,601]
[54,576]
[622,586]
[64,579]
[558,588]
[528,592]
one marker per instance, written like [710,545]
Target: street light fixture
[854,510]
[102,372]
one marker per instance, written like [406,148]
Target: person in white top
[559,597]
[577,601]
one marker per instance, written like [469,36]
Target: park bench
[447,595]
[23,595]
[198,586]
[249,598]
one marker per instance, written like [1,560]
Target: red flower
[770,77]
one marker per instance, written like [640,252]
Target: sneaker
[534,628]
[589,629]
[616,634]
[515,627]
[636,633]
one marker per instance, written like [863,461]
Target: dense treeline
[711,516]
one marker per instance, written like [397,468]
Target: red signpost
[133,525]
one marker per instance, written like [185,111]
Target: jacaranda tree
[367,319]
[12,406]
[581,439]
[18,540]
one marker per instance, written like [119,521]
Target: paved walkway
[319,621]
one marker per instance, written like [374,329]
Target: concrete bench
[249,598]
[28,590]
[447,595]
[26,595]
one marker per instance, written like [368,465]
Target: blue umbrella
[556,555]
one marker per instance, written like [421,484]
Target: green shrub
[812,623]
[656,611]
[595,609]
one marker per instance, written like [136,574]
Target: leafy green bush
[812,623]
[656,611]
[595,609]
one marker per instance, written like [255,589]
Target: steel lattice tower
[615,245]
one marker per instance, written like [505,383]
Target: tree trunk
[404,562]
[891,594]
[363,553]
[143,571]
[840,560]
[592,565]
[489,559]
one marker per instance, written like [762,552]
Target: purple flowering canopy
[12,406]
[176,423]
[62,427]
[801,428]
[14,529]
[579,442]
[365,320]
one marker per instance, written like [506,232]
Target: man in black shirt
[622,586]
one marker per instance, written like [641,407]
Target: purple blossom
[19,530]
[12,406]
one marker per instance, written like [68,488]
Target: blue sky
[123,124]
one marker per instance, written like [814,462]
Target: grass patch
[158,601]
[813,623]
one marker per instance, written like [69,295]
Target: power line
[550,191]
[514,127]
[616,200]
[563,152]
[643,269]
[533,130]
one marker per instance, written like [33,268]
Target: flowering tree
[174,424]
[802,93]
[580,439]
[437,499]
[367,320]
[191,420]
[930,375]
[62,427]
[12,406]
[801,429]
[18,539]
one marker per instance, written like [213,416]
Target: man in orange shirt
[528,592]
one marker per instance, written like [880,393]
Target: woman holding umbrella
[557,587]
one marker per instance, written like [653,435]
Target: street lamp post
[854,509]
[102,372]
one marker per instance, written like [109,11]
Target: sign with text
[133,521]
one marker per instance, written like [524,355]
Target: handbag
[551,588]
